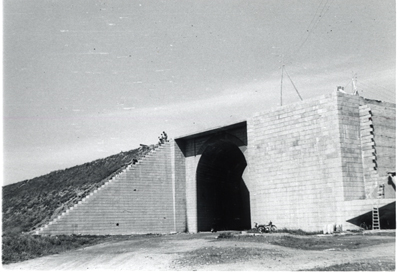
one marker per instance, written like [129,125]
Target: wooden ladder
[375,218]
[375,209]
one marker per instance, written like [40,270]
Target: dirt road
[204,252]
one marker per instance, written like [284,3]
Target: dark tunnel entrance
[222,196]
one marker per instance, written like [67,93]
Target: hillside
[30,204]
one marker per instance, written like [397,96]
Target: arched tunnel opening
[222,196]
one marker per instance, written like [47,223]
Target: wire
[293,84]
[312,25]
[320,11]
[376,85]
[348,84]
[378,94]
[314,16]
[309,25]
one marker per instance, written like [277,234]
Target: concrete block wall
[383,117]
[368,152]
[143,198]
[309,164]
[350,145]
[180,198]
[295,166]
[369,155]
[191,164]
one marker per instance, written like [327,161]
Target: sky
[84,80]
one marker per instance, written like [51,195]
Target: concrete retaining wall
[350,144]
[383,117]
[295,165]
[308,159]
[309,164]
[142,199]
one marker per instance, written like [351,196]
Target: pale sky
[87,79]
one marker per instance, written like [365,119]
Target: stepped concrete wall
[145,198]
[383,139]
[367,131]
[308,164]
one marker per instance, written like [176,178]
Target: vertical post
[191,163]
[355,90]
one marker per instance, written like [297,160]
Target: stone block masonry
[142,199]
[307,160]
[295,165]
[350,145]
[383,123]
[307,165]
[369,157]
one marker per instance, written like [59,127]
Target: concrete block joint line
[109,182]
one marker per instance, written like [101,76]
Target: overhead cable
[313,24]
[293,84]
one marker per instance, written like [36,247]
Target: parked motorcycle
[272,227]
[265,228]
[260,227]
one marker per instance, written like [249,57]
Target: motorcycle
[265,228]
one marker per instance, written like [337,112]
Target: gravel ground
[205,251]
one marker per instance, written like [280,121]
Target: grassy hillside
[32,203]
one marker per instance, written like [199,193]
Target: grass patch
[359,266]
[21,247]
[381,233]
[328,242]
[308,242]
[289,231]
[228,235]
[298,232]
